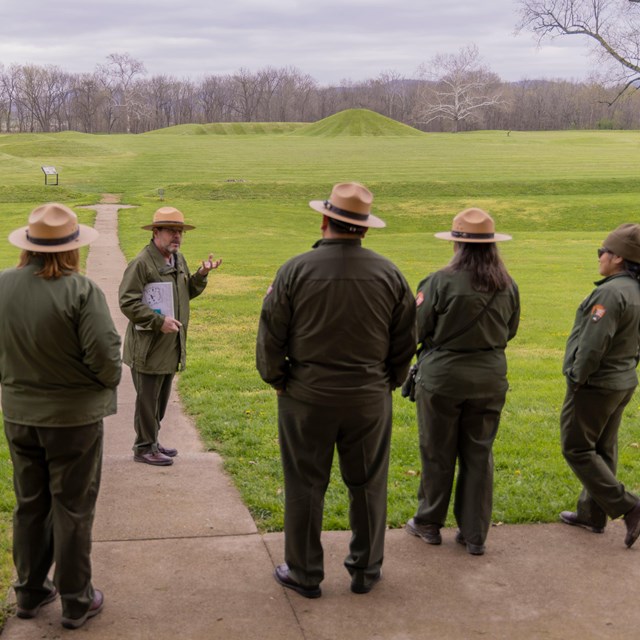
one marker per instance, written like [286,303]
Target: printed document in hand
[159,296]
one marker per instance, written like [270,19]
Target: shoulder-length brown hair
[484,264]
[54,265]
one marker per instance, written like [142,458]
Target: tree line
[451,93]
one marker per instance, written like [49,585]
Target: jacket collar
[622,274]
[159,261]
[356,242]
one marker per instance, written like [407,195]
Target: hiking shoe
[94,610]
[430,533]
[27,614]
[571,518]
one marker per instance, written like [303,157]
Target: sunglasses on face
[602,251]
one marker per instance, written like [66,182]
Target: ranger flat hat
[349,202]
[52,228]
[473,225]
[168,217]
[625,242]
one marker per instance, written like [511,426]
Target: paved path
[179,557]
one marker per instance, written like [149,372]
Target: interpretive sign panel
[50,172]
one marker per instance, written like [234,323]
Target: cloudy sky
[331,40]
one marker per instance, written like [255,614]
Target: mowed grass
[557,193]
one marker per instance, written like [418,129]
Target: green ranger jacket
[146,348]
[337,325]
[59,350]
[473,364]
[603,347]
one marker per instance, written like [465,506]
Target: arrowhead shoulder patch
[598,312]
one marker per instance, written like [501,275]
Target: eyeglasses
[602,251]
[171,230]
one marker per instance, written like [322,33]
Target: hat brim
[497,237]
[86,236]
[371,221]
[168,225]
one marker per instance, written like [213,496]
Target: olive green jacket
[337,325]
[146,348]
[59,350]
[473,364]
[603,346]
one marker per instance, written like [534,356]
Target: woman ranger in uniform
[59,369]
[600,367]
[466,314]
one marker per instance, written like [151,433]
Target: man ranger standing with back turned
[336,336]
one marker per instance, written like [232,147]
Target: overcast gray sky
[330,40]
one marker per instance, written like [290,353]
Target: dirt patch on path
[110,198]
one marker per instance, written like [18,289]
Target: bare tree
[458,88]
[248,90]
[119,75]
[185,100]
[42,92]
[393,87]
[7,93]
[88,99]
[612,25]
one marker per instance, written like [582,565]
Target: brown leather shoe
[430,533]
[153,457]
[632,521]
[167,451]
[473,549]
[94,610]
[27,614]
[281,574]
[570,517]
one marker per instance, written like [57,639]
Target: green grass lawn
[557,193]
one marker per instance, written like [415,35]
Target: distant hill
[229,129]
[351,122]
[357,122]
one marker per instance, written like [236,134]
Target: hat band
[51,242]
[346,214]
[472,236]
[164,223]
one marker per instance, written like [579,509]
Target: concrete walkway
[178,556]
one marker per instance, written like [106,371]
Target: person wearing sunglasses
[600,367]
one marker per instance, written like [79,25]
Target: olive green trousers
[589,424]
[457,430]
[309,434]
[152,398]
[56,477]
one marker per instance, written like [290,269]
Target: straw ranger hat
[168,217]
[52,228]
[349,202]
[473,225]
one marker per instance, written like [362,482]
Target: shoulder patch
[597,312]
[269,290]
[419,298]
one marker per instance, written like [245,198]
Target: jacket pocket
[144,341]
